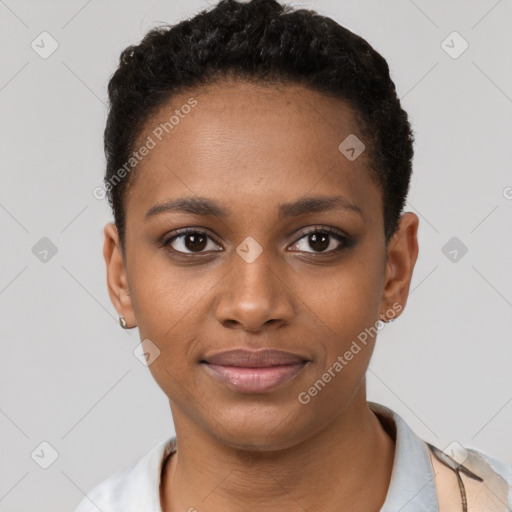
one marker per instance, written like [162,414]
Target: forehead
[238,107]
[237,137]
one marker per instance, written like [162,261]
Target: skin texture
[252,148]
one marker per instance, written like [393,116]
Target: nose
[254,296]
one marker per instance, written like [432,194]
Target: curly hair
[260,41]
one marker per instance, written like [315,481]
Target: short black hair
[260,41]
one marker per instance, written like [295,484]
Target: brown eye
[190,241]
[319,240]
[195,241]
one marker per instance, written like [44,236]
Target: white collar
[412,487]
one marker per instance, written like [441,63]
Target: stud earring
[384,318]
[122,322]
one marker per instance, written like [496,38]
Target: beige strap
[448,492]
[488,495]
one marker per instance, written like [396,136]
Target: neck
[350,461]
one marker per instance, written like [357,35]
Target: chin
[260,428]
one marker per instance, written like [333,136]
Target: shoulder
[448,474]
[109,494]
[485,481]
[134,488]
[498,473]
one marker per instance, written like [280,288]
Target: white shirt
[412,487]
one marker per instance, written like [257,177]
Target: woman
[258,162]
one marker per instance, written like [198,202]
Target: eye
[322,240]
[189,241]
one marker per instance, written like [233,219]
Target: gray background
[68,374]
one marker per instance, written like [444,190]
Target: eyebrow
[207,207]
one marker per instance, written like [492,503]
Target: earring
[384,318]
[122,322]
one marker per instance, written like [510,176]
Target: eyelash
[345,240]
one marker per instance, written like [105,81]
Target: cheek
[168,304]
[345,315]
[347,300]
[166,300]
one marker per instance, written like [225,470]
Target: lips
[251,359]
[254,372]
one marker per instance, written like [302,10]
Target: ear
[117,279]
[402,254]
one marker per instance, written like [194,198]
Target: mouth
[254,372]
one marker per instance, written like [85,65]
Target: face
[247,228]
